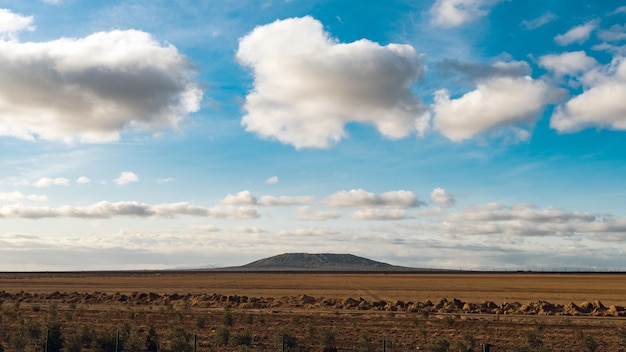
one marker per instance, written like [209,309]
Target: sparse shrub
[222,335]
[69,316]
[106,341]
[286,338]
[200,321]
[241,339]
[589,344]
[35,308]
[53,313]
[54,337]
[18,341]
[461,346]
[83,337]
[533,340]
[441,345]
[227,317]
[152,340]
[621,335]
[422,331]
[249,319]
[469,339]
[328,338]
[310,333]
[448,321]
[365,343]
[132,343]
[179,340]
[424,314]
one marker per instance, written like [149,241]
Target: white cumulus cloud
[441,197]
[578,34]
[453,13]
[91,89]
[601,104]
[308,86]
[10,197]
[244,197]
[571,63]
[12,23]
[126,177]
[83,180]
[496,102]
[47,182]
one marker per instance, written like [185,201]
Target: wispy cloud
[540,21]
[106,210]
[578,34]
[272,180]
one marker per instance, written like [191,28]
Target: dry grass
[479,287]
[407,331]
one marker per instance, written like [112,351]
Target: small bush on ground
[241,339]
[179,340]
[222,336]
[441,345]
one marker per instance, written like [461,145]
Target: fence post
[282,343]
[117,339]
[486,347]
[47,338]
[384,346]
[195,342]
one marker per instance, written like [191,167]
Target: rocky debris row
[595,308]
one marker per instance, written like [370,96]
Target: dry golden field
[473,287]
[353,312]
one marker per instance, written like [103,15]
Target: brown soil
[409,311]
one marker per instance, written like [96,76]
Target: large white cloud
[601,104]
[452,13]
[361,198]
[91,89]
[308,86]
[496,102]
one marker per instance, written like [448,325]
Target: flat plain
[307,304]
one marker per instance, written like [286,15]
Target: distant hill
[318,262]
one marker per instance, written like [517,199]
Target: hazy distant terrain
[319,262]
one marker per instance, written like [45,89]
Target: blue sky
[450,133]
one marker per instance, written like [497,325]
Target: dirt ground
[352,312]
